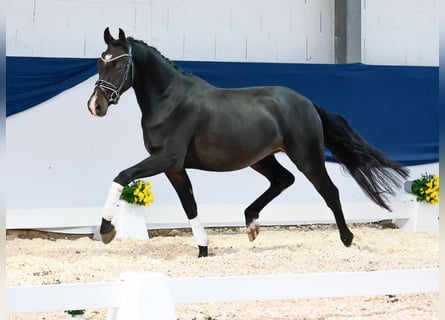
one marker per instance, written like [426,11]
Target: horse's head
[115,74]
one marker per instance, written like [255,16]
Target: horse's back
[291,112]
[278,103]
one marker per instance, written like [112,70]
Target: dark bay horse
[188,123]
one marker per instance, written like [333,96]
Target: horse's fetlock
[251,215]
[203,251]
[347,238]
[106,226]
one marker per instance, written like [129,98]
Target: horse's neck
[151,78]
[153,74]
[154,78]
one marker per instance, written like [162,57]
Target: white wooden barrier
[159,294]
[407,213]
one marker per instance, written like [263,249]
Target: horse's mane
[175,66]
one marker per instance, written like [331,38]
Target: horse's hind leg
[311,163]
[279,179]
[183,187]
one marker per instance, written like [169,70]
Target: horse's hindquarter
[239,128]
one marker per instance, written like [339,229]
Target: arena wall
[400,32]
[183,30]
[393,32]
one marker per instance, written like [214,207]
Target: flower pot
[130,221]
[408,185]
[428,217]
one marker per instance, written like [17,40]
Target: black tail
[375,174]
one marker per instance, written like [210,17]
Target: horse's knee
[123,178]
[287,180]
[281,180]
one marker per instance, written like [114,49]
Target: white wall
[247,30]
[400,32]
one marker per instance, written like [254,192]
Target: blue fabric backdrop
[31,80]
[395,108]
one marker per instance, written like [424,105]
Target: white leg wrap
[199,232]
[111,206]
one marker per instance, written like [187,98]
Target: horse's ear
[122,38]
[107,36]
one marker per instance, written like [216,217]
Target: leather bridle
[108,86]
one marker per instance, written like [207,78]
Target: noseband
[116,90]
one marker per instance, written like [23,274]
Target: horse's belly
[227,159]
[210,163]
[235,138]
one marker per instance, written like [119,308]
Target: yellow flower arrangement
[426,188]
[138,192]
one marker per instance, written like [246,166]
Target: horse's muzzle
[97,104]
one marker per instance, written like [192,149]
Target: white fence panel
[61,297]
[301,286]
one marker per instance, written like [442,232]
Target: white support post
[129,222]
[144,296]
[408,205]
[420,216]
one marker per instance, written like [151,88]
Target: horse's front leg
[111,207]
[157,163]
[183,187]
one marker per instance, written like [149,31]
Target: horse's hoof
[253,229]
[203,251]
[107,231]
[108,237]
[347,239]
